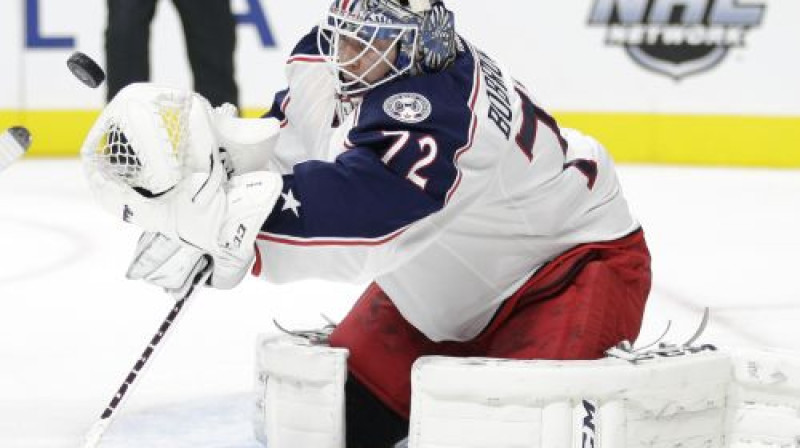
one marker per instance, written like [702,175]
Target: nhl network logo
[677,38]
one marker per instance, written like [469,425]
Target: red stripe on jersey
[258,264]
[305,58]
[284,105]
[475,89]
[459,153]
[307,242]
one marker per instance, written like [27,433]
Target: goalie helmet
[421,31]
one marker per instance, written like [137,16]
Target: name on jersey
[496,89]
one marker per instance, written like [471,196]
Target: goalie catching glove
[153,158]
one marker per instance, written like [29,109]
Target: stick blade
[14,142]
[22,136]
[95,433]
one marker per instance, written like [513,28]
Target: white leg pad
[765,400]
[299,393]
[707,399]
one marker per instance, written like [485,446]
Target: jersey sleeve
[305,109]
[398,168]
[305,51]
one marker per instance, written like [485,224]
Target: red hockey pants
[575,307]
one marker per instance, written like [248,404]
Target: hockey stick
[13,143]
[99,428]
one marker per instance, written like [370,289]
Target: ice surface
[71,326]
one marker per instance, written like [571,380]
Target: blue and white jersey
[448,189]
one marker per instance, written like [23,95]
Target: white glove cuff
[250,197]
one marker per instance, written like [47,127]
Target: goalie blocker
[690,398]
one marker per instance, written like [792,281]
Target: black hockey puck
[85,69]
[22,136]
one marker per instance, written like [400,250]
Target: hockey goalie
[402,156]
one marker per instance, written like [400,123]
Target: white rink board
[548,45]
[11,48]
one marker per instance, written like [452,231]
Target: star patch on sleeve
[290,203]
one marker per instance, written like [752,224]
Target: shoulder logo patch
[408,107]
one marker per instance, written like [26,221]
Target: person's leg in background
[127,43]
[210,30]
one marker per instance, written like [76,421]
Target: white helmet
[422,32]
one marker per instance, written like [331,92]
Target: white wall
[11,49]
[547,44]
